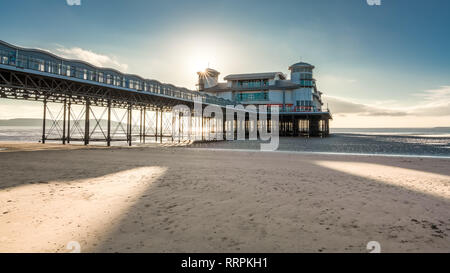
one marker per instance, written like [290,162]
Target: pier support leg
[173,125]
[281,126]
[156,125]
[236,128]
[140,126]
[314,127]
[203,129]
[190,126]
[68,121]
[209,128]
[108,133]
[179,127]
[292,129]
[43,120]
[86,123]
[64,123]
[161,127]
[143,126]
[130,125]
[246,125]
[224,127]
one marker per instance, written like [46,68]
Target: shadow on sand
[250,202]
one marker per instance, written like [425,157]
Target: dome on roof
[211,71]
[302,64]
[208,78]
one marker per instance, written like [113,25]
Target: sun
[199,57]
[198,65]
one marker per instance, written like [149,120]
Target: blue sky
[392,59]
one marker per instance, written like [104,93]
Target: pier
[85,103]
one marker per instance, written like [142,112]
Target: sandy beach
[176,199]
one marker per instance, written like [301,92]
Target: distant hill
[36,122]
[32,122]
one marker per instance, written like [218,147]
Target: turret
[208,78]
[301,71]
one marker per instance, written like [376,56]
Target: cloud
[334,79]
[341,106]
[441,95]
[91,57]
[435,102]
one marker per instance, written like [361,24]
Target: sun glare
[198,65]
[200,57]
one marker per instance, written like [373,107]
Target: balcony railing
[252,97]
[251,85]
[291,108]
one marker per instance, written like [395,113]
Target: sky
[378,66]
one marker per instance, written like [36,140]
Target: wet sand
[352,143]
[175,199]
